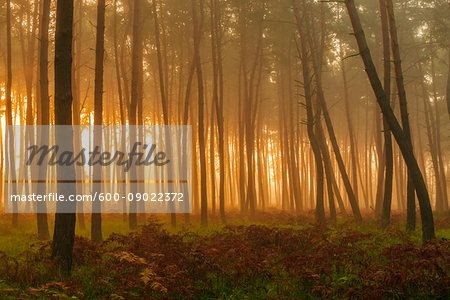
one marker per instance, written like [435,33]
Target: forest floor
[269,256]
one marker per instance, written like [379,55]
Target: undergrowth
[254,261]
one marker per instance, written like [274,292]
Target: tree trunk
[387,200]
[76,88]
[443,207]
[28,60]
[43,111]
[216,37]
[122,176]
[328,171]
[353,147]
[187,98]
[9,120]
[198,25]
[64,232]
[136,66]
[163,92]
[96,217]
[448,83]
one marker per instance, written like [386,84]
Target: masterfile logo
[110,169]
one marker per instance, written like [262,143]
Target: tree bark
[448,84]
[28,60]
[198,25]
[387,200]
[443,205]
[353,147]
[9,120]
[216,36]
[64,232]
[76,87]
[96,217]
[136,72]
[122,111]
[43,111]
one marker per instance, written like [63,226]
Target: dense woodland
[334,109]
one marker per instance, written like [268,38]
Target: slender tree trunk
[353,148]
[350,192]
[76,87]
[380,153]
[240,142]
[9,120]
[448,83]
[216,36]
[215,96]
[367,152]
[430,129]
[212,159]
[136,66]
[442,178]
[96,217]
[293,135]
[284,155]
[140,117]
[386,209]
[328,171]
[28,60]
[162,87]
[43,111]
[249,108]
[198,27]
[122,176]
[187,98]
[124,70]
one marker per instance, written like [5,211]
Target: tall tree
[28,43]
[122,111]
[43,111]
[9,119]
[442,205]
[351,131]
[386,209]
[216,48]
[64,232]
[448,83]
[162,89]
[136,72]
[96,221]
[76,102]
[197,22]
